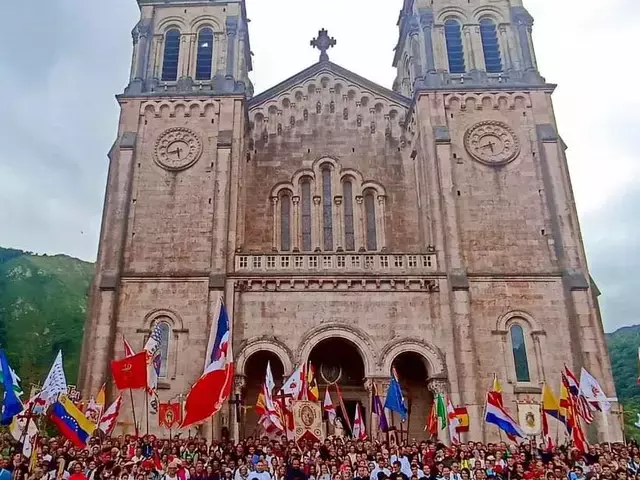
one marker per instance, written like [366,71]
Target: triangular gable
[334,70]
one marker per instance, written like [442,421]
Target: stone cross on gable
[323,43]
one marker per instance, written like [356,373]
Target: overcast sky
[62,61]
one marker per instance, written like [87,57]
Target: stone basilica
[429,227]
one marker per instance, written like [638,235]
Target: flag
[130,372]
[293,385]
[453,423]
[313,392]
[170,415]
[154,342]
[432,421]
[395,400]
[11,404]
[378,409]
[359,431]
[572,381]
[328,407]
[591,389]
[637,424]
[496,394]
[55,383]
[496,415]
[71,423]
[343,408]
[564,404]
[128,351]
[213,388]
[581,406]
[550,404]
[154,357]
[19,423]
[96,406]
[545,431]
[110,416]
[462,415]
[272,419]
[14,379]
[441,410]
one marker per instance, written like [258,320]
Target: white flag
[328,406]
[359,431]
[110,416]
[453,422]
[592,391]
[55,383]
[293,385]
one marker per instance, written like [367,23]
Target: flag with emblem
[213,388]
[130,372]
[14,381]
[312,385]
[55,383]
[11,404]
[71,422]
[593,392]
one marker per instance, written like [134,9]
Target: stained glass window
[455,50]
[370,213]
[171,54]
[490,46]
[327,220]
[306,215]
[204,56]
[349,237]
[165,329]
[519,349]
[285,222]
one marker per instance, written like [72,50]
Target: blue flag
[395,400]
[11,405]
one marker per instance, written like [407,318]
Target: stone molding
[376,283]
[176,320]
[360,340]
[432,354]
[264,343]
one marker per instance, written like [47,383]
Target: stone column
[469,47]
[239,384]
[338,222]
[438,386]
[316,220]
[523,22]
[232,28]
[506,48]
[361,225]
[295,241]
[144,33]
[426,21]
[275,245]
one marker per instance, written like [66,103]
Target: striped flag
[110,416]
[343,408]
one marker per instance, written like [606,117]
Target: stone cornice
[287,284]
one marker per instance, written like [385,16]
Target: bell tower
[447,43]
[502,216]
[172,198]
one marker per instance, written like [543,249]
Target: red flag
[432,421]
[169,414]
[213,388]
[130,372]
[545,433]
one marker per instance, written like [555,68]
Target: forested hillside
[43,302]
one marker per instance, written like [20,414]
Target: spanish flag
[71,422]
[550,403]
[462,414]
[313,392]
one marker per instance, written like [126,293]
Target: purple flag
[378,409]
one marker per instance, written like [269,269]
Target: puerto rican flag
[496,414]
[213,388]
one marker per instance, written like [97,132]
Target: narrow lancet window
[519,348]
[306,215]
[171,55]
[285,222]
[455,50]
[204,57]
[327,219]
[490,46]
[349,236]
[370,217]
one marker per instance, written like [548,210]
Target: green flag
[441,411]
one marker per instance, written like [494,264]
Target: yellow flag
[550,403]
[100,398]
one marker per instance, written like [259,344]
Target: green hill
[43,303]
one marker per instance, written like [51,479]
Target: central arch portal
[338,362]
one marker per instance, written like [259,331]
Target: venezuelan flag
[71,422]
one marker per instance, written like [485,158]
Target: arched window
[519,349]
[370,217]
[204,56]
[349,235]
[171,54]
[327,219]
[163,368]
[306,215]
[285,222]
[490,46]
[455,51]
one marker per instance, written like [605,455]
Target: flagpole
[133,411]
[146,409]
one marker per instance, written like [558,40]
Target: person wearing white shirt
[405,466]
[259,473]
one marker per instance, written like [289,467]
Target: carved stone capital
[427,19]
[337,200]
[274,200]
[295,200]
[359,199]
[382,199]
[317,199]
[437,385]
[239,383]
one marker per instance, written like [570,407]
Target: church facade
[429,227]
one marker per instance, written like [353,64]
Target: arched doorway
[255,369]
[412,374]
[338,362]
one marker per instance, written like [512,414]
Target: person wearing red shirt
[78,473]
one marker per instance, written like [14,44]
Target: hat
[491,457]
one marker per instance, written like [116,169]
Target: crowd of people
[336,458]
